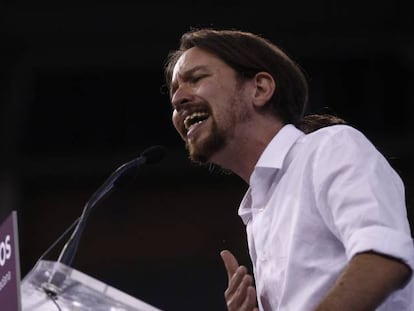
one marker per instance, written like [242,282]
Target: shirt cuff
[384,241]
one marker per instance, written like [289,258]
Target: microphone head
[127,171]
[154,154]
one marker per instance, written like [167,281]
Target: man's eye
[195,79]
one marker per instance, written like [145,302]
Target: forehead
[196,58]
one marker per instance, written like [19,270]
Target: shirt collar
[276,151]
[272,158]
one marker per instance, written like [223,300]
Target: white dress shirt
[314,202]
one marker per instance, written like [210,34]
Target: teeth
[192,119]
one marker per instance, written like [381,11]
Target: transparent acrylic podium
[53,286]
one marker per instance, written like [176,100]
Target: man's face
[208,103]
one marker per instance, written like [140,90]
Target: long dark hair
[314,122]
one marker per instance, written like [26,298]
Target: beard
[222,130]
[202,151]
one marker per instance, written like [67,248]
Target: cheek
[175,120]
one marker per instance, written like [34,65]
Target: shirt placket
[260,224]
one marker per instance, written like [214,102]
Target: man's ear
[265,88]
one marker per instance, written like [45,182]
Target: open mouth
[195,119]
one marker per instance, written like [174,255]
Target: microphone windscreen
[154,154]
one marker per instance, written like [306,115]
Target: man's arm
[365,283]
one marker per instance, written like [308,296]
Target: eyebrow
[186,74]
[191,71]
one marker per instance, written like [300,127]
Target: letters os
[5,250]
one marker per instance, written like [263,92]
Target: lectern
[53,286]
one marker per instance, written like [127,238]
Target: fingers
[250,301]
[230,262]
[239,282]
[240,294]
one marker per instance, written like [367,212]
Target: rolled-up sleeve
[381,240]
[361,197]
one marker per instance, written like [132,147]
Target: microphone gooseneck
[151,155]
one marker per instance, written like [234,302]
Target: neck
[242,153]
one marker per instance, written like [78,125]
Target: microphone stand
[151,155]
[69,250]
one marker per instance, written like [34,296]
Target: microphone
[151,155]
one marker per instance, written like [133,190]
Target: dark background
[80,95]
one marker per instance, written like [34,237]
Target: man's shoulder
[341,132]
[332,130]
[341,137]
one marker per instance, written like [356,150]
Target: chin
[197,154]
[203,151]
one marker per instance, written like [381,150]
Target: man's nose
[181,96]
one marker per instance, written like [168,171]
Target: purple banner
[9,265]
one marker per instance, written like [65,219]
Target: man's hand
[240,294]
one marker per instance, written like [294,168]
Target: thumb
[230,262]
